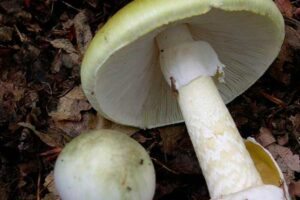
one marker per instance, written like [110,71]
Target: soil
[42,107]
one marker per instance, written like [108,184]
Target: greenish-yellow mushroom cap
[121,73]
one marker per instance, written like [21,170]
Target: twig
[164,166]
[273,99]
[69,5]
[38,186]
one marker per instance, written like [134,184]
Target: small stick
[38,187]
[275,100]
[164,166]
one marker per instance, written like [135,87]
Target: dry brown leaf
[70,60]
[295,121]
[4,191]
[290,159]
[90,121]
[297,13]
[64,44]
[285,7]
[52,140]
[170,137]
[11,6]
[294,189]
[289,175]
[51,196]
[57,62]
[184,163]
[70,106]
[265,137]
[292,37]
[68,23]
[291,43]
[34,28]
[49,183]
[8,87]
[24,170]
[83,31]
[6,33]
[283,140]
[71,57]
[74,128]
[296,126]
[286,160]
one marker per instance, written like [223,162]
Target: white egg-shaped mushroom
[102,165]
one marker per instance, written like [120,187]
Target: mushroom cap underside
[121,74]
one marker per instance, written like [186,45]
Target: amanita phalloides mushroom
[205,51]
[104,165]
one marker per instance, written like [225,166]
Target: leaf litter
[42,106]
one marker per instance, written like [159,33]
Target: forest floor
[42,106]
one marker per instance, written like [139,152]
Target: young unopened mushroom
[206,52]
[106,165]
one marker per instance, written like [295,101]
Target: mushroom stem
[223,157]
[189,66]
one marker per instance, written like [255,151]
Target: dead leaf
[68,23]
[297,13]
[286,160]
[24,16]
[10,95]
[290,159]
[74,128]
[296,126]
[83,31]
[4,191]
[170,137]
[265,137]
[35,28]
[291,43]
[57,62]
[296,122]
[27,3]
[70,60]
[285,7]
[93,3]
[11,6]
[292,37]
[49,183]
[54,140]
[64,44]
[294,189]
[24,170]
[9,87]
[51,196]
[6,33]
[289,175]
[283,140]
[184,163]
[70,106]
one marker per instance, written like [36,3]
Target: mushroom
[157,63]
[104,164]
